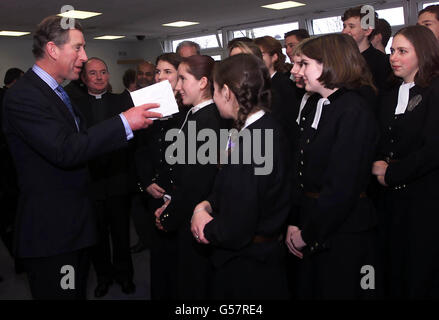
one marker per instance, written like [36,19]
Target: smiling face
[190,89]
[311,70]
[166,71]
[403,59]
[295,71]
[96,76]
[69,57]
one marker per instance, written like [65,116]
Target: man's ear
[52,50]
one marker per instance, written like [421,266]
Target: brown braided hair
[249,80]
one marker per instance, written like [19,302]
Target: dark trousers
[113,219]
[61,277]
[252,277]
[141,222]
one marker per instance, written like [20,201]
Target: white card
[160,93]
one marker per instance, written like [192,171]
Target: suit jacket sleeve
[52,137]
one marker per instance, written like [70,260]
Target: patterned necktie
[65,98]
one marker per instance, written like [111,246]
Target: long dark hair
[171,58]
[273,46]
[427,51]
[249,80]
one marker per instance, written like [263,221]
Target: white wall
[16,52]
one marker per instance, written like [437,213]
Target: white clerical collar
[319,108]
[201,105]
[273,75]
[250,119]
[195,109]
[403,97]
[253,118]
[302,105]
[97,96]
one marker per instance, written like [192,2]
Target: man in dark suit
[8,179]
[111,183]
[51,145]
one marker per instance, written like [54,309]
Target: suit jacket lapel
[52,96]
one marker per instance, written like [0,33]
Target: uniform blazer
[150,155]
[335,161]
[410,144]
[54,211]
[193,182]
[284,102]
[409,140]
[246,205]
[379,66]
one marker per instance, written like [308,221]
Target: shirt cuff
[128,130]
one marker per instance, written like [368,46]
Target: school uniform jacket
[410,144]
[246,205]
[334,161]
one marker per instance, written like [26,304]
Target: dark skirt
[411,217]
[338,270]
[250,277]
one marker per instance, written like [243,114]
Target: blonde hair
[297,51]
[247,47]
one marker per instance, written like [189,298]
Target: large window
[276,31]
[327,25]
[389,44]
[394,16]
[428,4]
[205,42]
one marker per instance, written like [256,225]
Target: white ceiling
[145,17]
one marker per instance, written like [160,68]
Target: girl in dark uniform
[244,216]
[284,103]
[332,220]
[408,165]
[191,180]
[155,176]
